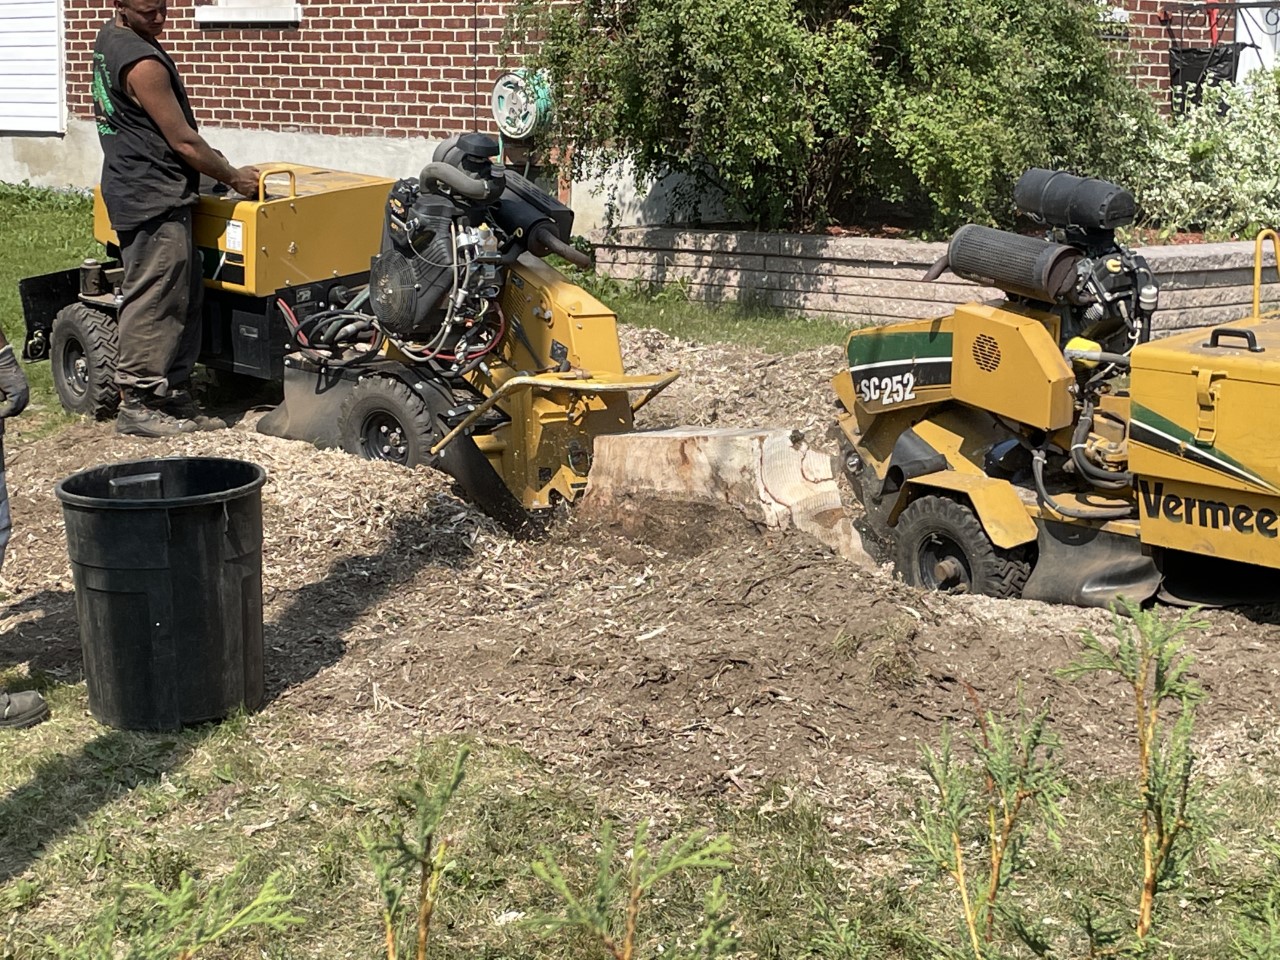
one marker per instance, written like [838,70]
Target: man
[27,708]
[152,161]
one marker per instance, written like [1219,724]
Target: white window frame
[227,12]
[57,123]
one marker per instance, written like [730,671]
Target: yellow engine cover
[1011,365]
[315,224]
[1203,444]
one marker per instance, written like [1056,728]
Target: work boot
[142,415]
[181,404]
[24,709]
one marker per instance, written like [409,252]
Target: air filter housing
[1025,266]
[1065,200]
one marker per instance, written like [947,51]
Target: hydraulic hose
[1098,356]
[1098,513]
[1104,479]
[351,329]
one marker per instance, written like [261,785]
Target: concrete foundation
[74,160]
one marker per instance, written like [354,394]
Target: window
[238,12]
[31,84]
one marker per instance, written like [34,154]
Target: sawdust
[686,652]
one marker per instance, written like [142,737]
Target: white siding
[1257,30]
[31,84]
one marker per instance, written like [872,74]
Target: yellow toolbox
[314,224]
[1203,446]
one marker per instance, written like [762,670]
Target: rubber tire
[83,348]
[933,528]
[380,402]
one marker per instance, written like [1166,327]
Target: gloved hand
[13,384]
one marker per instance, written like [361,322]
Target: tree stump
[770,476]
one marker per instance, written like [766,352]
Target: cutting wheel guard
[651,385]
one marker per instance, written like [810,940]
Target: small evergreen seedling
[414,854]
[1148,654]
[181,923]
[1019,777]
[610,912]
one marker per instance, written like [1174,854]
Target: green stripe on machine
[888,346]
[1160,433]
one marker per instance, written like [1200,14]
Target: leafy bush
[799,111]
[1214,168]
[974,93]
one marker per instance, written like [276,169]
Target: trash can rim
[220,496]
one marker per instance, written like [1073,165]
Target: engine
[449,235]
[1104,292]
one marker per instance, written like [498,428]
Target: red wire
[292,319]
[502,330]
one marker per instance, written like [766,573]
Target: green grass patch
[85,812]
[668,308]
[41,231]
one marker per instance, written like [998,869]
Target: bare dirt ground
[696,655]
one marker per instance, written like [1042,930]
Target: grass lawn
[128,815]
[43,231]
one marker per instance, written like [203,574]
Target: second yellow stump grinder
[1046,446]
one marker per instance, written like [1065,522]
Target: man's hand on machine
[245,182]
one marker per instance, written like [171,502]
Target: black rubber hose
[1095,475]
[1099,513]
[351,329]
[453,178]
[1099,356]
[940,266]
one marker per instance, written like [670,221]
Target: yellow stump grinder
[412,321]
[1046,446]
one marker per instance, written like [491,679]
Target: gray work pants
[160,317]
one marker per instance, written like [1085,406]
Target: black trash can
[167,560]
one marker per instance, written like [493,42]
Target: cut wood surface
[771,476]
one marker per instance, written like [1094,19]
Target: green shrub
[976,91]
[800,112]
[1214,168]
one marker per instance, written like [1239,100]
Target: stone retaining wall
[873,281]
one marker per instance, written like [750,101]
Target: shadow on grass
[49,643]
[306,636]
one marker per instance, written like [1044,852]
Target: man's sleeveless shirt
[142,176]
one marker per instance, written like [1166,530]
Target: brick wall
[358,69]
[1154,25]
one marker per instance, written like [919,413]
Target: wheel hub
[943,565]
[948,572]
[75,368]
[391,440]
[384,438]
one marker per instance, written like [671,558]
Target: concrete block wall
[873,281]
